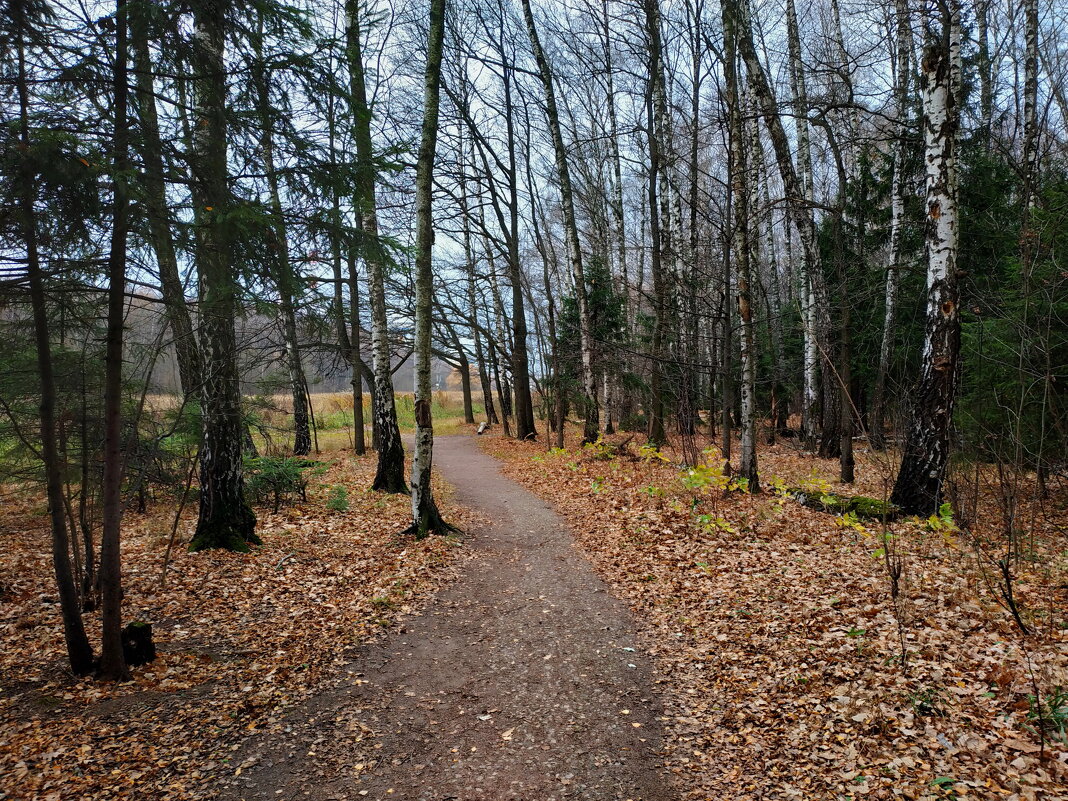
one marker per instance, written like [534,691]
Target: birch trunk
[591,428]
[810,354]
[389,476]
[425,516]
[918,489]
[226,520]
[1030,103]
[739,176]
[894,265]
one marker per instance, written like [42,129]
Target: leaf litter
[778,648]
[241,639]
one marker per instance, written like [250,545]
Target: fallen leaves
[241,638]
[778,651]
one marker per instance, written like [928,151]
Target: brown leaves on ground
[778,646]
[241,638]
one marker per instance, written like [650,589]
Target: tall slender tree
[925,456]
[389,477]
[739,175]
[426,518]
[226,520]
[79,652]
[112,661]
[591,427]
[154,201]
[894,266]
[283,272]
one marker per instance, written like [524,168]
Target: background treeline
[834,222]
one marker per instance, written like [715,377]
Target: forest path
[521,681]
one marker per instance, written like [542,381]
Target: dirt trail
[521,682]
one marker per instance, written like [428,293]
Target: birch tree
[918,488]
[226,520]
[739,174]
[591,427]
[389,476]
[894,265]
[426,519]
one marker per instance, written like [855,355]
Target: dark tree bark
[389,477]
[154,202]
[655,111]
[112,661]
[284,275]
[591,427]
[226,520]
[472,300]
[524,406]
[79,652]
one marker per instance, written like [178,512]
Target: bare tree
[918,489]
[426,518]
[591,428]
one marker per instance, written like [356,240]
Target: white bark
[810,350]
[894,264]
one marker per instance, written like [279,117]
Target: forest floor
[522,681]
[777,647]
[241,638]
[664,637]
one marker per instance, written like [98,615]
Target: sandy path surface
[521,681]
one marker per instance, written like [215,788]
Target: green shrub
[338,500]
[279,479]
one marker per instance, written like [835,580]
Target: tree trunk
[983,68]
[465,388]
[1030,140]
[739,181]
[591,427]
[356,359]
[112,663]
[918,489]
[226,520]
[524,407]
[284,277]
[425,516]
[810,352]
[623,397]
[894,267]
[389,476]
[655,111]
[472,303]
[154,202]
[726,347]
[79,652]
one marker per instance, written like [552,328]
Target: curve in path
[522,680]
